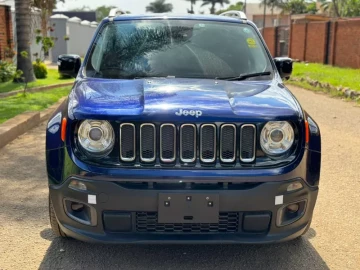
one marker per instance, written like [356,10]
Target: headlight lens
[96,137]
[276,138]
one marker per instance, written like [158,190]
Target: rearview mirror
[69,65]
[285,66]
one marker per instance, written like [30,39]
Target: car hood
[165,99]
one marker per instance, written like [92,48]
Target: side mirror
[285,66]
[69,65]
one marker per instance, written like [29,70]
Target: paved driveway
[26,241]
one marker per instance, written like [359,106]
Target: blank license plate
[188,208]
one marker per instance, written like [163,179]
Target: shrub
[40,70]
[7,71]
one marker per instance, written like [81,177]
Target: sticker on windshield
[251,43]
[247,31]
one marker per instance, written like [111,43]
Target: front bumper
[114,218]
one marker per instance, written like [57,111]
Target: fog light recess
[290,213]
[80,212]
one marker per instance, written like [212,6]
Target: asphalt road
[26,241]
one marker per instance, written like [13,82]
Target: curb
[22,123]
[326,87]
[35,89]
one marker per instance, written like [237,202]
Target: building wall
[347,44]
[269,35]
[336,43]
[6,31]
[80,36]
[270,20]
[316,39]
[298,41]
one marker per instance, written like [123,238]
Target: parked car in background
[180,129]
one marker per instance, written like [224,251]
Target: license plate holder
[188,208]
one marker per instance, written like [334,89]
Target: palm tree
[23,30]
[213,3]
[159,6]
[192,3]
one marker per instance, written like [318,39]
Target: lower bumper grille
[148,222]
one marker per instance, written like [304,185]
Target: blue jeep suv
[180,129]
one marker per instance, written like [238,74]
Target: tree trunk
[212,9]
[23,29]
[336,8]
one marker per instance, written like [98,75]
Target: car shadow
[73,254]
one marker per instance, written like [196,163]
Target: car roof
[126,17]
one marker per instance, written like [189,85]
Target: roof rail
[115,12]
[235,14]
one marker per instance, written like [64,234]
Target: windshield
[176,48]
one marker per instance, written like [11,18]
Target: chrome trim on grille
[181,152]
[154,157]
[254,145]
[207,160]
[161,140]
[221,143]
[134,143]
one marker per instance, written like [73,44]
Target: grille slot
[148,222]
[147,142]
[127,142]
[247,143]
[228,143]
[167,143]
[208,143]
[188,143]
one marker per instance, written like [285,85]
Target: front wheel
[54,223]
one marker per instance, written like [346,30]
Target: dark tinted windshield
[176,48]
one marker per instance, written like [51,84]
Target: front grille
[148,222]
[167,142]
[247,143]
[147,142]
[208,143]
[228,143]
[187,144]
[127,142]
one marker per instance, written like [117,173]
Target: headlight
[96,137]
[276,138]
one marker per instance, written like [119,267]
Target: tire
[54,223]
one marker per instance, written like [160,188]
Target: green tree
[192,3]
[102,12]
[238,6]
[213,4]
[46,8]
[311,8]
[23,30]
[294,7]
[159,6]
[271,4]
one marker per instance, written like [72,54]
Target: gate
[282,40]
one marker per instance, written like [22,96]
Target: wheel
[54,223]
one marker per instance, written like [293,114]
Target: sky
[136,6]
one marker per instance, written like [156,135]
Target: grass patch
[14,105]
[52,78]
[335,76]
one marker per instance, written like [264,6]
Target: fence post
[276,30]
[305,40]
[327,43]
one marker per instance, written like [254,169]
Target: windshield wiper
[244,76]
